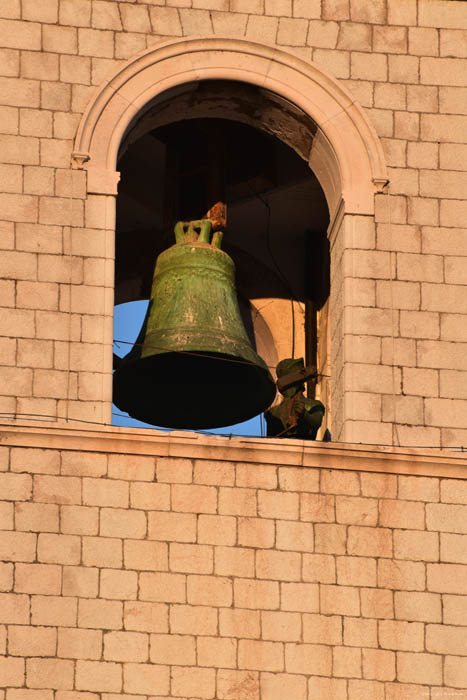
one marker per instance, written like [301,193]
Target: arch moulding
[346,155]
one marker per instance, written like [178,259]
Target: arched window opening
[277,216]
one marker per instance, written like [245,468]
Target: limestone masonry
[175,566]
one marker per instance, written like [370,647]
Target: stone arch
[344,151]
[344,137]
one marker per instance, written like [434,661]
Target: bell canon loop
[193,365]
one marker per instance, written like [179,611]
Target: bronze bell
[192,365]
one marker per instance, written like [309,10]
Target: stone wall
[403,361]
[234,573]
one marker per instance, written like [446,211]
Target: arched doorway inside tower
[277,219]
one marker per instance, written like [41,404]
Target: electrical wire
[39,417]
[196,354]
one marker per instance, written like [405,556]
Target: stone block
[226,24]
[95,42]
[199,680]
[107,614]
[261,656]
[239,623]
[189,619]
[110,493]
[363,348]
[172,526]
[98,676]
[14,609]
[193,22]
[144,555]
[453,548]
[353,510]
[102,551]
[256,532]
[126,646]
[80,581]
[75,69]
[146,617]
[79,644]
[39,180]
[190,558]
[362,90]
[376,69]
[337,63]
[105,15]
[262,477]
[252,594]
[356,571]
[377,603]
[294,536]
[119,522]
[407,126]
[442,71]
[339,600]
[217,529]
[135,18]
[59,39]
[360,632]
[436,14]
[379,664]
[404,14]
[416,546]
[354,37]
[53,611]
[347,662]
[292,32]
[330,538]
[20,35]
[264,26]
[209,590]
[59,549]
[230,561]
[415,667]
[120,585]
[365,541]
[75,13]
[319,568]
[39,66]
[36,460]
[401,636]
[173,470]
[390,39]
[35,517]
[139,469]
[194,499]
[12,671]
[37,295]
[16,487]
[173,649]
[10,119]
[42,579]
[282,566]
[446,517]
[281,626]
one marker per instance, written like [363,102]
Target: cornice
[191,445]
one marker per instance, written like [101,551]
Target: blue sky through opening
[128,319]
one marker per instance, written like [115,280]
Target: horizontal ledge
[191,445]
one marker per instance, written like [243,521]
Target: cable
[36,416]
[196,354]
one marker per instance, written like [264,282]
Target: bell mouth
[193,391]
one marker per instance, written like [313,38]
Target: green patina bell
[192,365]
